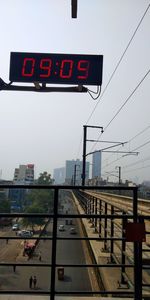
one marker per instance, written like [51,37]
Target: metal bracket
[41,88]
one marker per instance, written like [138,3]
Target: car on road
[72,230]
[61,228]
[15,227]
[25,233]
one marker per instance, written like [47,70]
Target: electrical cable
[124,52]
[137,162]
[113,73]
[122,106]
[97,93]
[131,150]
[138,134]
[137,169]
[135,136]
[127,99]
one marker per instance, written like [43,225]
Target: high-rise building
[96,165]
[24,174]
[74,171]
[59,175]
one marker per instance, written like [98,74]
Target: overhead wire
[113,73]
[134,137]
[131,150]
[123,54]
[122,106]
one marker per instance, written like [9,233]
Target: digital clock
[56,68]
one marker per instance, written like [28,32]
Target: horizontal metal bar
[68,187]
[95,292]
[52,216]
[64,238]
[47,292]
[66,265]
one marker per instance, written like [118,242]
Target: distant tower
[96,165]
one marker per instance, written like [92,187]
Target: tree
[39,200]
[45,178]
[34,220]
[4,205]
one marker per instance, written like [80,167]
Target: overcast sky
[46,129]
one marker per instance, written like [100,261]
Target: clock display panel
[81,69]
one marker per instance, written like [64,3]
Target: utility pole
[75,172]
[119,176]
[84,150]
[84,154]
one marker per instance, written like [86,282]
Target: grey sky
[46,129]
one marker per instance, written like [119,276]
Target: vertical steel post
[54,240]
[123,249]
[95,225]
[105,228]
[84,155]
[112,235]
[100,210]
[93,198]
[119,175]
[137,254]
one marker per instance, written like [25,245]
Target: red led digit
[28,63]
[65,64]
[83,66]
[46,64]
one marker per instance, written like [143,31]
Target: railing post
[95,224]
[54,240]
[137,254]
[105,228]
[123,249]
[100,225]
[112,235]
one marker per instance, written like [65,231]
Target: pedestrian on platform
[30,282]
[34,281]
[6,241]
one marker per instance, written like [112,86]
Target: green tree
[32,221]
[4,206]
[45,178]
[39,200]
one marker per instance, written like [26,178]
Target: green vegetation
[39,201]
[4,203]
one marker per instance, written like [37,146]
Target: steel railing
[104,214]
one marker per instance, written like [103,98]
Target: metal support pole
[53,261]
[112,235]
[119,175]
[105,228]
[84,150]
[84,155]
[75,169]
[123,257]
[95,223]
[137,255]
[100,210]
[93,202]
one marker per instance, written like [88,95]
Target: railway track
[121,205]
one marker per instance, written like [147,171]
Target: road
[68,252]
